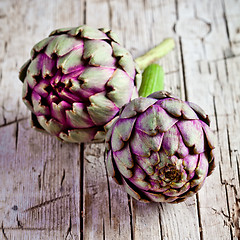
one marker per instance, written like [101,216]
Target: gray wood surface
[51,190]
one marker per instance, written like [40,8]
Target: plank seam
[109,190]
[160,221]
[183,70]
[82,191]
[130,207]
[228,209]
[16,136]
[199,218]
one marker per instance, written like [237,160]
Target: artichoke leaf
[101,109]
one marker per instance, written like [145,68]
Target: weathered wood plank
[207,74]
[41,179]
[106,207]
[41,176]
[52,190]
[106,211]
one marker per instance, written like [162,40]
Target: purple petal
[124,155]
[138,179]
[201,170]
[121,86]
[154,119]
[182,150]
[71,62]
[95,78]
[78,116]
[126,172]
[209,135]
[121,132]
[79,135]
[142,144]
[52,126]
[137,105]
[58,110]
[101,110]
[171,141]
[190,164]
[110,167]
[38,107]
[177,192]
[40,88]
[145,164]
[192,134]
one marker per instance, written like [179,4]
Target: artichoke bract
[160,148]
[76,81]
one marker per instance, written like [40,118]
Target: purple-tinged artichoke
[76,81]
[160,148]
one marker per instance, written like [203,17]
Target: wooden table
[52,190]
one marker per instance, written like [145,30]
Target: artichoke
[76,81]
[160,148]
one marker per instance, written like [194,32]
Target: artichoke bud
[76,81]
[160,148]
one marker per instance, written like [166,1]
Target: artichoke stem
[152,80]
[155,53]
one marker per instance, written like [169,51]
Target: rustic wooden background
[50,190]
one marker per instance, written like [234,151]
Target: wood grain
[51,190]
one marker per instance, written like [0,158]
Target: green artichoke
[76,81]
[160,148]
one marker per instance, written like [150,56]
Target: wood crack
[226,58]
[228,209]
[229,147]
[63,177]
[232,220]
[170,72]
[215,114]
[16,136]
[0,75]
[226,68]
[236,219]
[238,169]
[176,10]
[12,122]
[28,229]
[3,232]
[69,230]
[110,14]
[19,223]
[39,182]
[46,203]
[226,22]
[41,177]
[85,12]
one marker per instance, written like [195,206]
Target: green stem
[154,54]
[152,80]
